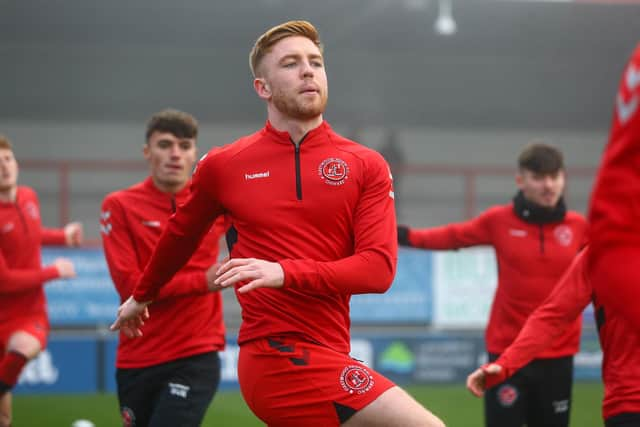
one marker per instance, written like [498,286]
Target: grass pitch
[451,403]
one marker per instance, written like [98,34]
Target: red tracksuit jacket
[614,214]
[187,318]
[620,343]
[21,235]
[615,204]
[323,210]
[531,258]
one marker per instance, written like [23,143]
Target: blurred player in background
[615,205]
[169,376]
[535,239]
[620,346]
[24,324]
[315,224]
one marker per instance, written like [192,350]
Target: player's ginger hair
[265,42]
[5,144]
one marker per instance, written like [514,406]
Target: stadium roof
[510,64]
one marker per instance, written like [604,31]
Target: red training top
[615,204]
[21,235]
[323,209]
[531,258]
[620,343]
[187,318]
[614,214]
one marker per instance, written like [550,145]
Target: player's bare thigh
[394,408]
[25,343]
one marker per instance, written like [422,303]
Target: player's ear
[262,88]
[519,180]
[146,150]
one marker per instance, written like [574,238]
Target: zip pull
[173,203]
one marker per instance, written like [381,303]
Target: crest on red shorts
[507,395]
[334,171]
[563,235]
[128,417]
[356,379]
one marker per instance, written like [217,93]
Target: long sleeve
[372,266]
[20,280]
[182,235]
[474,232]
[52,237]
[551,319]
[122,258]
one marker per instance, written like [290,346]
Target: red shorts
[36,325]
[615,277]
[287,381]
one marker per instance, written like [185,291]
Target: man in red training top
[168,377]
[313,212]
[535,239]
[620,345]
[24,324]
[615,205]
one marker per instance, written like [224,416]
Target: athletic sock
[10,367]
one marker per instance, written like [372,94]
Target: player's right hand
[477,380]
[131,316]
[65,268]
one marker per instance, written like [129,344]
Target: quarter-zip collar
[180,195]
[284,137]
[535,214]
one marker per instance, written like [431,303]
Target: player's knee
[5,420]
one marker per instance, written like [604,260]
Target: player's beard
[297,108]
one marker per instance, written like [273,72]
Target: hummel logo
[258,175]
[151,223]
[105,229]
[517,233]
[7,227]
[626,110]
[105,215]
[633,77]
[179,390]
[201,159]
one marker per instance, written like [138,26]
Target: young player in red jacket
[620,344]
[615,205]
[169,376]
[315,223]
[24,324]
[535,240]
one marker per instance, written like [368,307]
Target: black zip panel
[541,239]
[297,160]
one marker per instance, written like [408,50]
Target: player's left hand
[258,273]
[73,234]
[477,380]
[131,316]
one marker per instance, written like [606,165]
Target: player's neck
[168,188]
[8,195]
[296,128]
